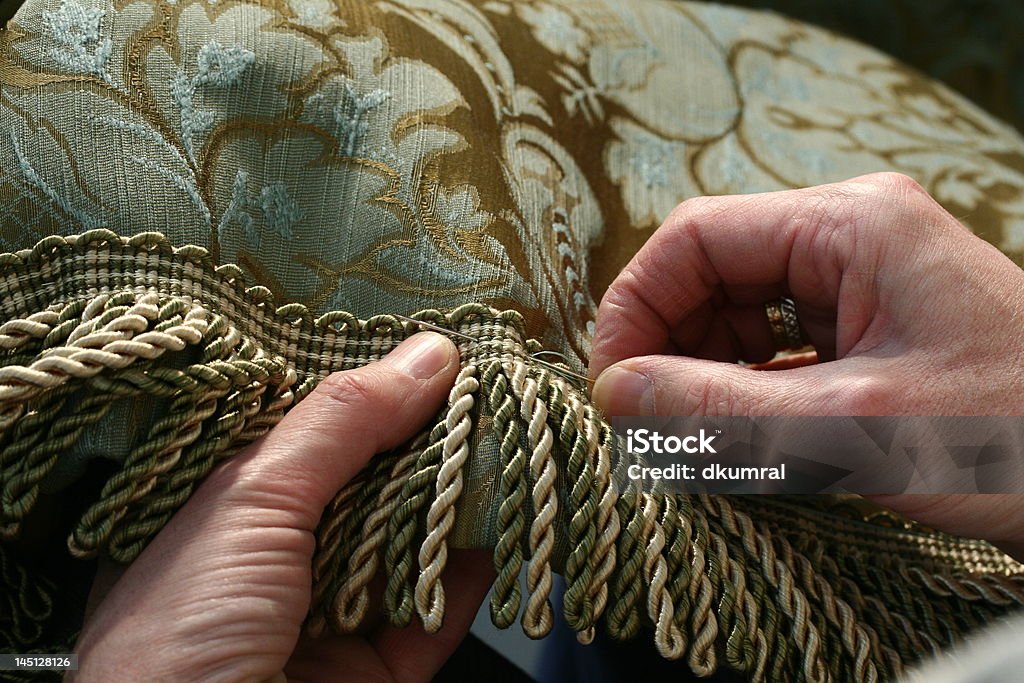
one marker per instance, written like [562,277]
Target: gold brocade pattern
[398,155]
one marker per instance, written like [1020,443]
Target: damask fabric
[395,156]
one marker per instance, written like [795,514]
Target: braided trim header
[64,270]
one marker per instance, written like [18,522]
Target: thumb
[225,584]
[677,385]
[331,435]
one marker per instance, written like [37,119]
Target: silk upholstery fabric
[391,156]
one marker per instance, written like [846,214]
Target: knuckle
[861,396]
[685,210]
[620,294]
[690,213]
[891,182]
[904,212]
[709,395]
[897,196]
[352,390]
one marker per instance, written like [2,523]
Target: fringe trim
[773,589]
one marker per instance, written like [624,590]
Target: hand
[909,313]
[222,591]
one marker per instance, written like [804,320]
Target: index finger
[747,249]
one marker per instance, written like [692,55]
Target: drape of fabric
[357,158]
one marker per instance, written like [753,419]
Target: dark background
[975,46]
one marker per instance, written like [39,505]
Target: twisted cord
[873,623]
[326,558]
[538,616]
[732,588]
[143,516]
[138,475]
[15,334]
[704,623]
[896,631]
[18,441]
[829,608]
[159,453]
[433,555]
[222,436]
[794,605]
[9,415]
[82,326]
[21,483]
[623,617]
[27,454]
[581,443]
[508,551]
[676,521]
[792,600]
[111,348]
[660,608]
[398,595]
[351,533]
[1002,591]
[353,598]
[607,521]
[756,549]
[834,610]
[900,627]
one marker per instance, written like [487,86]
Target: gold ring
[785,324]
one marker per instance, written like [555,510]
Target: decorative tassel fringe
[779,590]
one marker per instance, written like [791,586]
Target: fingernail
[421,356]
[621,391]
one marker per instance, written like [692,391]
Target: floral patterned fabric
[395,155]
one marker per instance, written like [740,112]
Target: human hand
[909,313]
[222,591]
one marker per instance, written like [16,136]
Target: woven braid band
[814,590]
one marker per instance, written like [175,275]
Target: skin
[910,314]
[221,592]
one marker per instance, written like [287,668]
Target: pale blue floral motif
[222,66]
[78,32]
[580,94]
[143,131]
[651,159]
[651,171]
[314,12]
[556,30]
[351,114]
[218,67]
[186,181]
[460,209]
[237,211]
[33,178]
[279,209]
